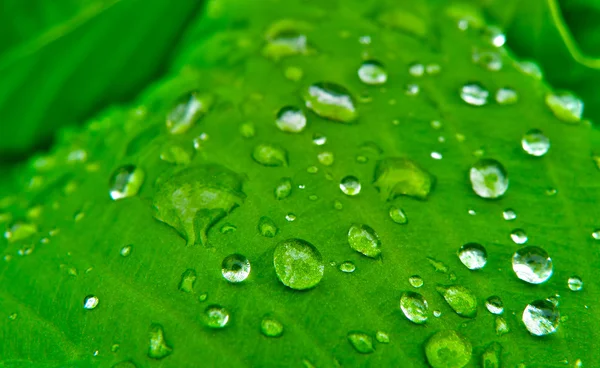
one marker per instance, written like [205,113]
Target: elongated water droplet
[330,101]
[268,154]
[372,72]
[473,256]
[461,299]
[541,318]
[215,316]
[518,236]
[488,178]
[350,185]
[448,349]
[575,283]
[347,267]
[401,176]
[397,215]
[494,305]
[298,264]
[491,356]
[414,306]
[267,227]
[565,106]
[535,143]
[283,188]
[158,347]
[474,94]
[290,217]
[90,302]
[382,337]
[363,239]
[126,250]
[361,342]
[235,268]
[596,234]
[291,119]
[532,264]
[506,96]
[125,182]
[188,279]
[509,214]
[271,327]
[187,111]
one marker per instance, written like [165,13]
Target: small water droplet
[509,214]
[290,217]
[283,188]
[330,101]
[215,316]
[382,337]
[436,155]
[532,264]
[293,73]
[298,264]
[489,60]
[158,347]
[411,89]
[489,179]
[416,69]
[90,302]
[291,119]
[312,170]
[267,227]
[347,267]
[474,94]
[535,143]
[530,68]
[501,326]
[350,185]
[433,69]
[494,305]
[437,313]
[495,35]
[361,342]
[596,234]
[187,111]
[235,268]
[202,297]
[325,158]
[397,215]
[125,182]
[247,130]
[188,279]
[400,176]
[575,283]
[415,281]
[541,318]
[448,349]
[472,212]
[363,239]
[518,236]
[414,306]
[271,327]
[565,106]
[268,154]
[473,256]
[506,96]
[550,192]
[372,72]
[319,139]
[461,299]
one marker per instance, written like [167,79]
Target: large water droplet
[330,101]
[397,215]
[291,119]
[363,239]
[565,106]
[268,154]
[125,182]
[575,283]
[494,305]
[461,299]
[541,318]
[90,302]
[448,349]
[361,342]
[350,185]
[372,72]
[474,94]
[235,268]
[473,256]
[532,264]
[267,227]
[193,200]
[535,143]
[401,176]
[414,306]
[298,264]
[271,327]
[489,179]
[518,236]
[187,111]
[158,347]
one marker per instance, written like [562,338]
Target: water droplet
[20,231]
[291,119]
[90,302]
[411,89]
[433,69]
[495,35]
[414,306]
[125,182]
[437,313]
[509,214]
[382,337]
[489,179]
[267,227]
[535,143]
[436,155]
[363,239]
[416,70]
[397,215]
[247,130]
[312,170]
[350,185]
[192,200]
[501,326]
[330,101]
[290,217]
[202,297]
[401,176]
[347,267]
[338,205]
[286,38]
[491,356]
[532,264]
[361,342]
[565,106]
[473,256]
[298,264]
[268,154]
[325,158]
[494,305]
[415,281]
[271,327]
[372,72]
[319,139]
[187,111]
[188,279]
[215,316]
[235,268]
[506,96]
[283,188]
[489,60]
[158,347]
[518,236]
[530,68]
[541,318]
[474,94]
[575,283]
[448,349]
[174,154]
[596,234]
[461,299]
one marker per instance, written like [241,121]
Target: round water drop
[347,267]
[473,256]
[575,283]
[448,349]
[474,94]
[271,327]
[397,215]
[363,239]
[361,342]
[90,302]
[268,154]
[330,101]
[298,264]
[350,185]
[414,306]
[215,316]
[235,268]
[372,72]
[532,264]
[412,89]
[541,318]
[415,281]
[126,182]
[267,227]
[291,119]
[489,179]
[509,214]
[535,143]
[506,96]
[494,305]
[518,236]
[565,106]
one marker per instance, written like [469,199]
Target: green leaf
[153,254]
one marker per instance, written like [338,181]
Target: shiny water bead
[126,250]
[270,154]
[416,69]
[290,119]
[372,72]
[325,158]
[290,217]
[298,264]
[361,342]
[541,318]
[501,326]
[489,178]
[350,185]
[267,227]
[509,214]
[215,316]
[347,267]
[319,139]
[494,305]
[474,94]
[411,89]
[235,268]
[247,130]
[565,106]
[414,306]
[158,347]
[415,281]
[433,69]
[575,283]
[596,234]
[400,176]
[448,349]
[363,239]
[293,73]
[397,215]
[506,96]
[518,236]
[535,143]
[271,327]
[461,299]
[532,264]
[126,182]
[330,101]
[473,256]
[187,111]
[90,302]
[495,35]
